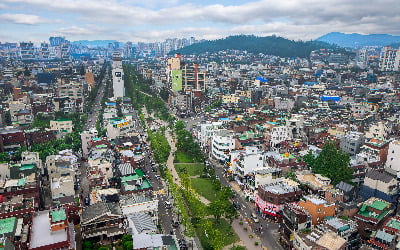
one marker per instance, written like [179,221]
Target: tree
[238,248]
[4,157]
[82,70]
[87,245]
[217,209]
[27,72]
[230,213]
[331,162]
[7,118]
[215,236]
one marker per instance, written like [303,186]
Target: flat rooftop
[41,231]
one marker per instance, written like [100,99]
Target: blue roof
[261,79]
[330,98]
[111,103]
[310,83]
[224,119]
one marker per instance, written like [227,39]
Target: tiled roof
[376,175]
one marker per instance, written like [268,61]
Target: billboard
[176,80]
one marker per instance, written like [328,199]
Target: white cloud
[295,19]
[75,31]
[22,19]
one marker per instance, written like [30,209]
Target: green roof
[139,172]
[366,213]
[393,223]
[21,182]
[8,225]
[63,120]
[27,166]
[129,178]
[145,184]
[379,205]
[58,215]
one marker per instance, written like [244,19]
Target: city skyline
[36,20]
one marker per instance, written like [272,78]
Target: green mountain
[271,45]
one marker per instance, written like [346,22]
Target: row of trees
[199,212]
[138,89]
[160,145]
[186,142]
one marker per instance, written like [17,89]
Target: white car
[255,218]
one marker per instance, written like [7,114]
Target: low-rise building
[387,237]
[294,219]
[371,216]
[318,240]
[46,232]
[271,198]
[380,185]
[62,126]
[351,143]
[317,207]
[102,221]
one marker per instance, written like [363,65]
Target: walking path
[244,235]
[170,161]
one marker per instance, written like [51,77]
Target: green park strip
[205,188]
[221,234]
[190,169]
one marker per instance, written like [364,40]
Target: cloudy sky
[155,20]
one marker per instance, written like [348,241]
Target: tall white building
[221,143]
[245,161]
[390,59]
[392,162]
[118,76]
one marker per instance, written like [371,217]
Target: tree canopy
[331,162]
[271,45]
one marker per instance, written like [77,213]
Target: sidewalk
[245,240]
[170,165]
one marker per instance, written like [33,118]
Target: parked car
[255,218]
[167,204]
[175,223]
[236,205]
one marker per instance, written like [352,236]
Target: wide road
[95,109]
[270,231]
[90,123]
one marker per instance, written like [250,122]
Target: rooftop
[279,188]
[41,231]
[331,240]
[8,225]
[64,120]
[58,215]
[394,223]
[375,204]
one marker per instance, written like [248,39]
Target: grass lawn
[230,236]
[182,157]
[205,188]
[190,169]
